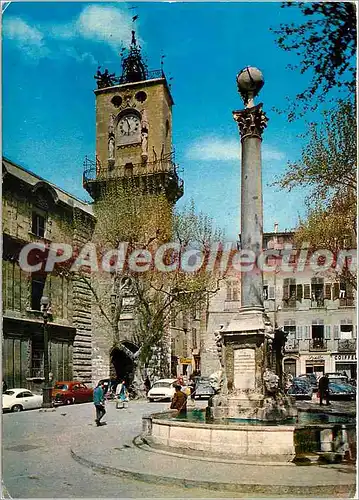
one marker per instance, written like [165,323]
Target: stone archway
[122,365]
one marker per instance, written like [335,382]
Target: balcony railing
[347,345]
[289,303]
[317,345]
[98,172]
[346,302]
[292,346]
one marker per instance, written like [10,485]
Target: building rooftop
[36,181]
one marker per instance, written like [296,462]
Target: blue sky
[50,55]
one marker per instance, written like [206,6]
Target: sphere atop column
[249,81]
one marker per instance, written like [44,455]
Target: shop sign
[316,358]
[186,361]
[345,357]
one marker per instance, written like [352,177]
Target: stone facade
[316,310]
[35,211]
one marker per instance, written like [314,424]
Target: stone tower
[134,130]
[133,151]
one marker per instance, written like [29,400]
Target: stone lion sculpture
[216,381]
[271,381]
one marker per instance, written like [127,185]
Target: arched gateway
[122,365]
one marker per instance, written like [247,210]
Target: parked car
[20,399]
[203,388]
[300,389]
[71,392]
[341,390]
[162,390]
[311,378]
[338,376]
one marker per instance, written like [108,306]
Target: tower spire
[134,68]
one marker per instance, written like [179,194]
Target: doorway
[122,364]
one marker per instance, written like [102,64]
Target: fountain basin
[234,439]
[238,438]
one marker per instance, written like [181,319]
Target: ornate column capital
[251,121]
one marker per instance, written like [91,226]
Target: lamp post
[45,309]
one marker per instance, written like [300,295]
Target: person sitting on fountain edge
[179,401]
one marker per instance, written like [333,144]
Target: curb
[326,491]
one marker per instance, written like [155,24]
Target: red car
[67,393]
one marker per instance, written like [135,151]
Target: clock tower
[134,130]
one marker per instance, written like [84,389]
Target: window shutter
[336,291]
[336,332]
[299,332]
[350,293]
[306,332]
[286,289]
[229,291]
[299,292]
[235,292]
[328,291]
[355,331]
[327,332]
[307,291]
[271,293]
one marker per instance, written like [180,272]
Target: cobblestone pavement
[37,461]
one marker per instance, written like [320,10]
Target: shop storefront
[346,363]
[315,364]
[185,366]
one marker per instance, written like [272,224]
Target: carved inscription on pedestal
[244,369]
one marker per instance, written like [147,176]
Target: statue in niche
[111,148]
[144,144]
[144,135]
[111,124]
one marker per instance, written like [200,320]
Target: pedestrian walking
[147,384]
[121,396]
[4,386]
[323,388]
[99,402]
[179,401]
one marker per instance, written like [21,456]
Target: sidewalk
[111,449]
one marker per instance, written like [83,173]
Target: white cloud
[272,154]
[29,39]
[97,23]
[213,148]
[104,23]
[218,149]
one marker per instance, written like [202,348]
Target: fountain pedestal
[250,387]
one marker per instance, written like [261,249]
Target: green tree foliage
[328,167]
[326,47]
[127,213]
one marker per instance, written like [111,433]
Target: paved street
[37,461]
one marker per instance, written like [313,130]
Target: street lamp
[46,311]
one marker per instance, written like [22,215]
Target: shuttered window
[299,332]
[328,291]
[306,291]
[327,332]
[336,332]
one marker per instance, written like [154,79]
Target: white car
[162,390]
[20,399]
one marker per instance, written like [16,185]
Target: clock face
[129,126]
